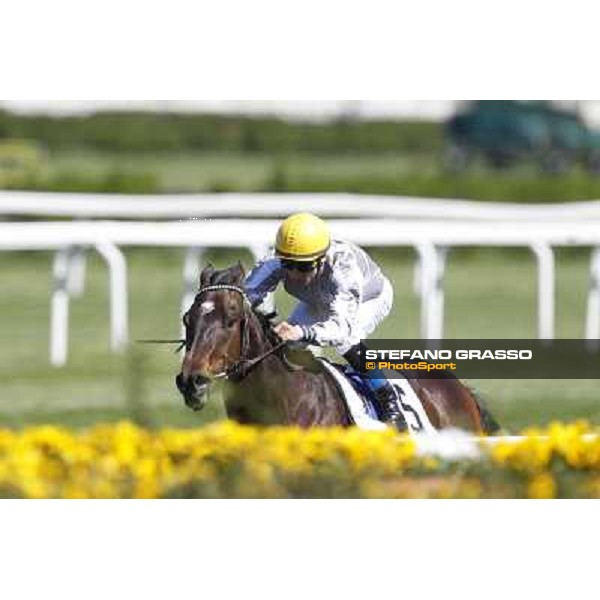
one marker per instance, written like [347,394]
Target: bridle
[239,370]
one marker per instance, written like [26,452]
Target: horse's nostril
[198,380]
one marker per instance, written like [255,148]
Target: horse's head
[214,332]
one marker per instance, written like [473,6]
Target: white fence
[430,239]
[178,206]
[452,444]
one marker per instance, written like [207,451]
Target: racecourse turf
[489,294]
[205,171]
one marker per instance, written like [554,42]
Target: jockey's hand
[288,332]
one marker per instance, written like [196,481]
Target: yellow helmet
[302,237]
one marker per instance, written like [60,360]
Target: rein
[238,371]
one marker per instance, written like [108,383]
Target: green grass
[489,294]
[204,171]
[392,173]
[176,172]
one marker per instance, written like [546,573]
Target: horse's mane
[266,325]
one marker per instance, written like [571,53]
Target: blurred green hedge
[143,131]
[489,187]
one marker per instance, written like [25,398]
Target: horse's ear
[206,275]
[239,273]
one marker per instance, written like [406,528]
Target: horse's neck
[257,342]
[299,397]
[260,398]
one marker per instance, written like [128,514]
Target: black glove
[271,317]
[238,371]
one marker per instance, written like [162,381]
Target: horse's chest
[251,403]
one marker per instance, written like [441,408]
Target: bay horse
[266,383]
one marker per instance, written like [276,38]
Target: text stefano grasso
[466,354]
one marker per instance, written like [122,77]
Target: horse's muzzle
[193,389]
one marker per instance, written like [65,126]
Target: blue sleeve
[263,279]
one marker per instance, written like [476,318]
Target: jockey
[343,297]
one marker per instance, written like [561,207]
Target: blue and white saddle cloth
[363,408]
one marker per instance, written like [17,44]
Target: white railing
[453,444]
[430,239]
[274,205]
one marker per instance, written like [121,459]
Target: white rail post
[546,287]
[442,257]
[418,276]
[432,293]
[117,270]
[76,271]
[592,318]
[191,275]
[59,314]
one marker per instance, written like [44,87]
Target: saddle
[363,407]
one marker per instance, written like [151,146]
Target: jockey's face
[299,277]
[300,273]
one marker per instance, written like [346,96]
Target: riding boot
[387,400]
[384,392]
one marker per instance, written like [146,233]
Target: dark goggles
[303,267]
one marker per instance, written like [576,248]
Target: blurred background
[488,151]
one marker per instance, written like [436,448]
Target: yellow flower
[124,461]
[542,486]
